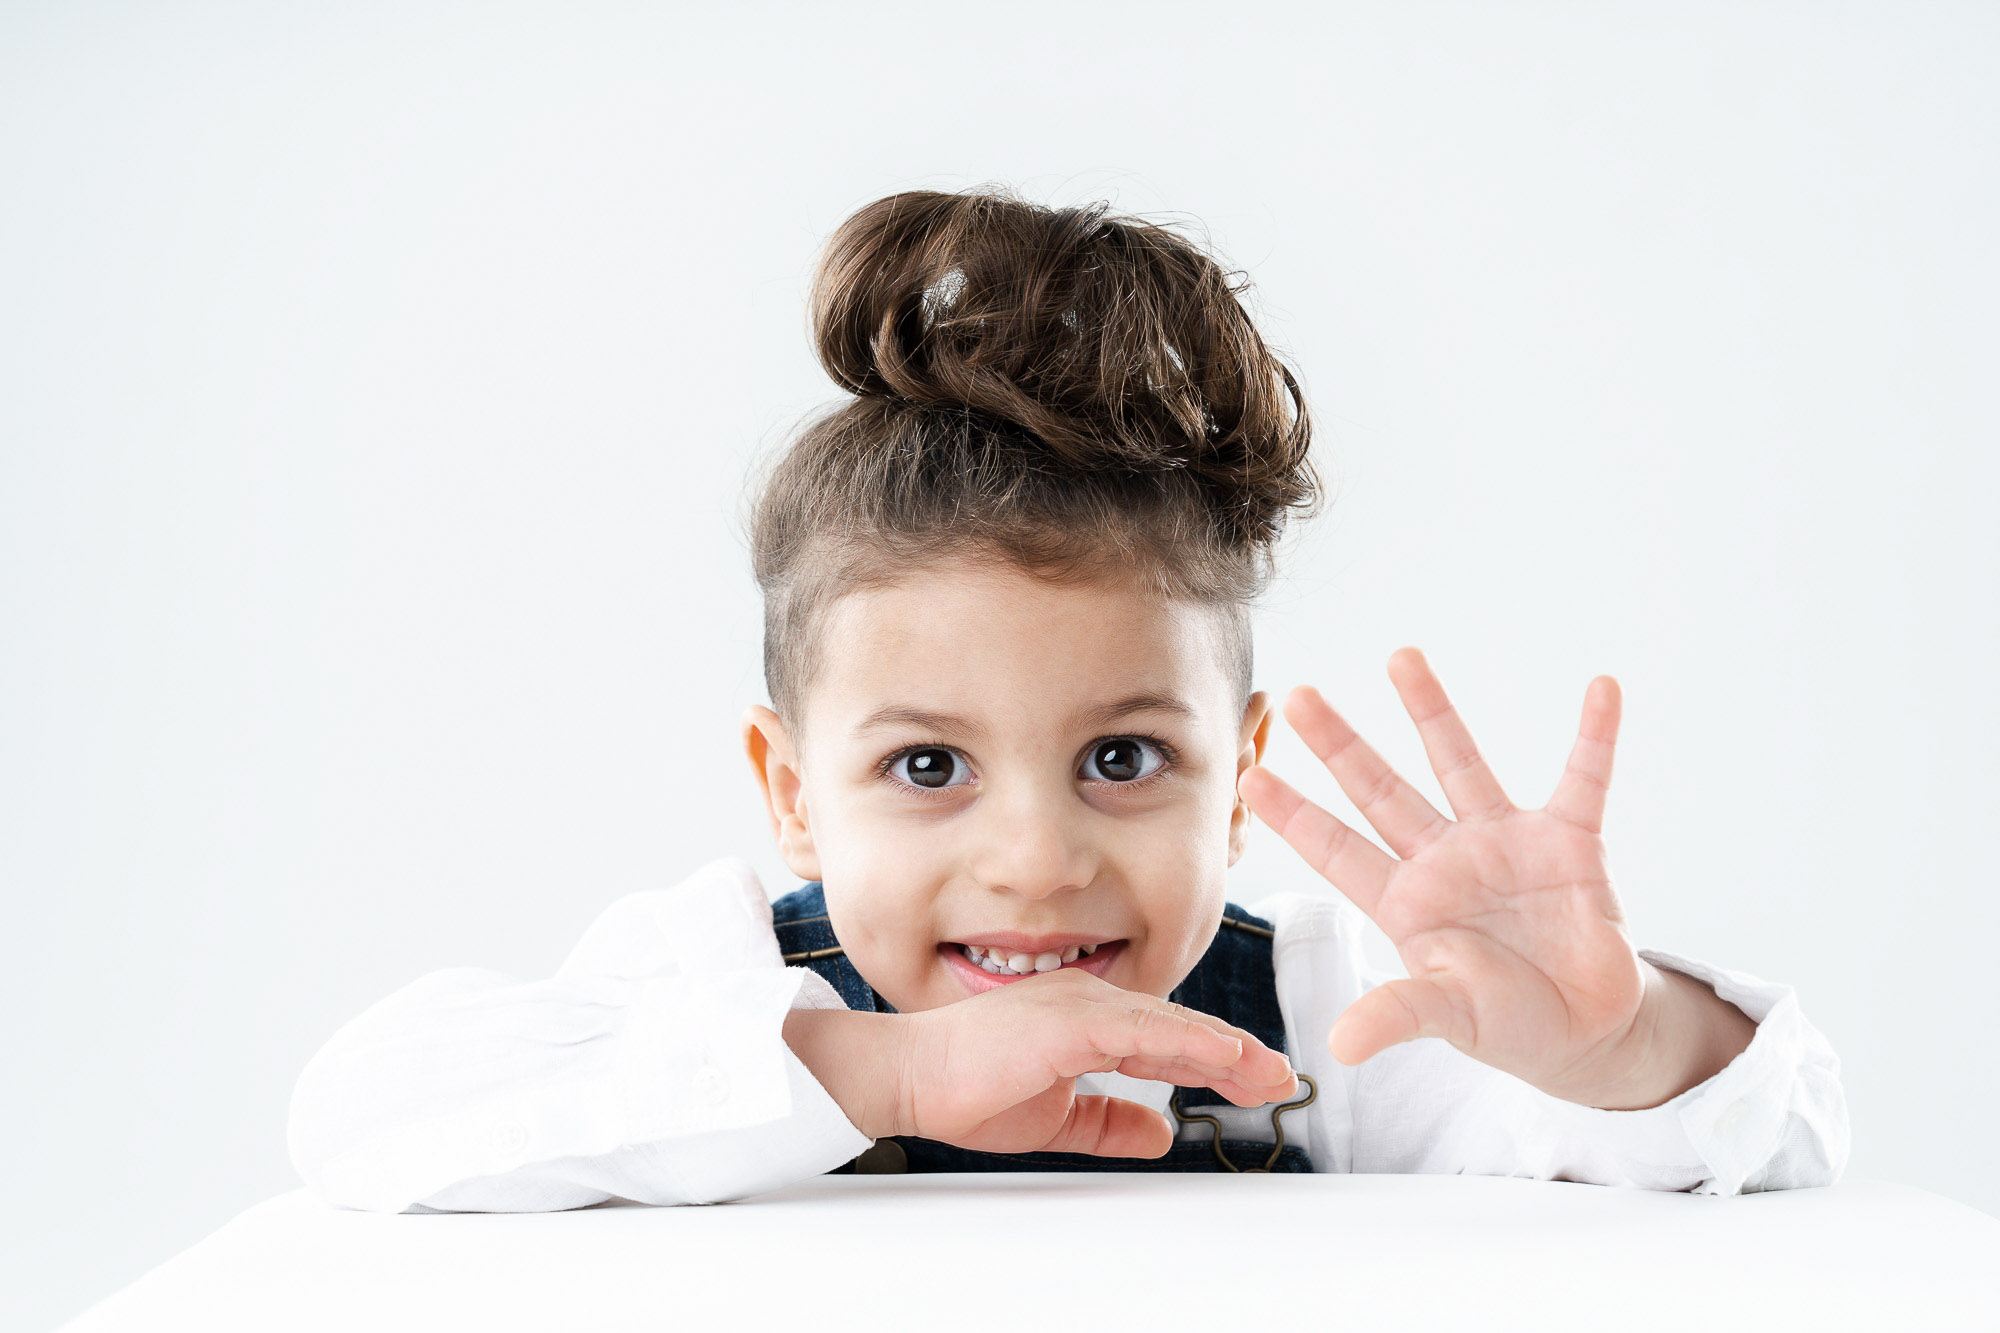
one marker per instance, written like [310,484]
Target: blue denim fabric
[1234,981]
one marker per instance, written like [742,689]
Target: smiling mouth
[1000,966]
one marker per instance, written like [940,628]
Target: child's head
[1007,590]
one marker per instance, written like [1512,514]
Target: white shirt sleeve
[1774,1118]
[651,1067]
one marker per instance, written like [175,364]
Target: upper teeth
[993,960]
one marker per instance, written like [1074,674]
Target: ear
[1256,730]
[776,765]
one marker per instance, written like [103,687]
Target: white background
[376,390]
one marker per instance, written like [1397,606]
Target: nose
[1035,843]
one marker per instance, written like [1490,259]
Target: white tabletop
[1307,1251]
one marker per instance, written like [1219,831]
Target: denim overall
[1234,982]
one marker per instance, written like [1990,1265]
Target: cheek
[1190,831]
[1178,866]
[881,876]
[856,840]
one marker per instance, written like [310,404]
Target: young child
[1012,748]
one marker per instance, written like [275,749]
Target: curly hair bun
[1115,343]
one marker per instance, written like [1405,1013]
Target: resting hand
[998,1071]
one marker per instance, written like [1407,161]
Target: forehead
[988,641]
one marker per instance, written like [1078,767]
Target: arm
[1685,1035]
[1773,1117]
[652,1067]
[855,1058]
[1516,957]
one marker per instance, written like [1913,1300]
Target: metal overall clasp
[1277,1126]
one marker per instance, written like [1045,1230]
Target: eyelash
[1169,758]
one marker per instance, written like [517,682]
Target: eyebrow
[1147,701]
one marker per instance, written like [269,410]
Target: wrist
[1684,1035]
[858,1058]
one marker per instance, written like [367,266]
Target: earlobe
[775,765]
[1256,731]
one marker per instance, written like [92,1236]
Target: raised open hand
[1505,919]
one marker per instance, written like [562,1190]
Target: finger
[1345,859]
[1234,1052]
[1242,1092]
[1163,1031]
[1112,1127]
[1256,1064]
[1254,1061]
[1468,783]
[1397,810]
[1392,1013]
[1259,1067]
[1579,796]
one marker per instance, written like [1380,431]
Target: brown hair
[1066,389]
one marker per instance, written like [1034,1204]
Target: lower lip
[977,978]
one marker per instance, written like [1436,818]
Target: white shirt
[653,1067]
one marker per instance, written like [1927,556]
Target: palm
[1505,919]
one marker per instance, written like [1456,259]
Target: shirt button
[1732,1117]
[711,1085]
[884,1157]
[510,1136]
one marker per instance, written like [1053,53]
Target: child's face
[1021,805]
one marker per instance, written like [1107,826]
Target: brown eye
[930,767]
[1125,759]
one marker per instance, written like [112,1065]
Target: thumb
[1389,1015]
[1112,1127]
